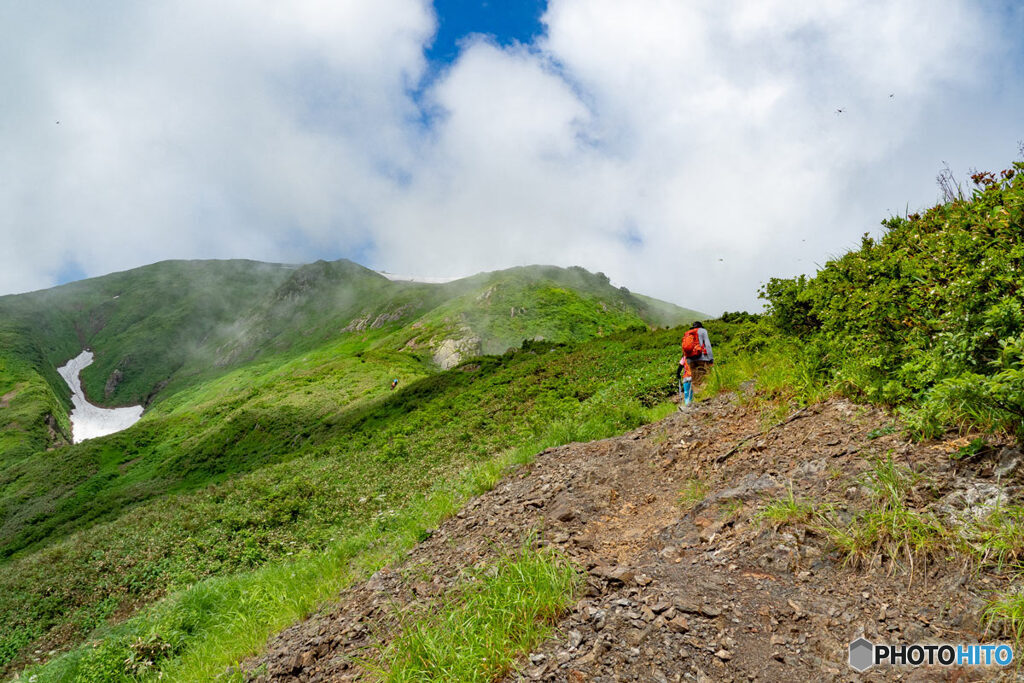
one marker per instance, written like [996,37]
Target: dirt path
[682,582]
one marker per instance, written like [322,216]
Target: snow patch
[87,420]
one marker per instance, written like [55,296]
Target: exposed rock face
[115,378]
[369,321]
[357,324]
[452,351]
[389,317]
[56,435]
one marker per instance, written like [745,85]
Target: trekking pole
[680,389]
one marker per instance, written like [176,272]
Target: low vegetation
[486,624]
[790,510]
[197,633]
[692,492]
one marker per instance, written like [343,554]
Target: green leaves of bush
[930,316]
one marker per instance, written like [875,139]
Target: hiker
[686,383]
[697,352]
[394,383]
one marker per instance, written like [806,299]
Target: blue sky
[690,151]
[505,21]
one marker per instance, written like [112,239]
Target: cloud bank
[689,152]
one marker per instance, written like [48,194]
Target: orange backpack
[691,344]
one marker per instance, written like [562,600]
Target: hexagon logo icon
[862,654]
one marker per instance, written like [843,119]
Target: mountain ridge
[192,306]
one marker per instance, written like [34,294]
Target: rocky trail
[683,581]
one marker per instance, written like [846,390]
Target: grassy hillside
[663,314]
[34,410]
[143,324]
[177,322]
[160,329]
[307,468]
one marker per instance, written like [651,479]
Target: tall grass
[785,378]
[485,624]
[889,528]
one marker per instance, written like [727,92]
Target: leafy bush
[930,316]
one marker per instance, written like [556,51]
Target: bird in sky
[839,111]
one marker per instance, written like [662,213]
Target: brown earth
[692,586]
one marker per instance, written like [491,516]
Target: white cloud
[689,151]
[196,129]
[709,134]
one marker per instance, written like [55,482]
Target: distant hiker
[394,383]
[697,351]
[686,382]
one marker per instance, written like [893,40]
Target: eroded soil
[683,582]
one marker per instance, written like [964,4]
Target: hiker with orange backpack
[697,355]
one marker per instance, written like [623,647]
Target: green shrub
[929,317]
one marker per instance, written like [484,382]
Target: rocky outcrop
[55,435]
[373,322]
[111,386]
[451,351]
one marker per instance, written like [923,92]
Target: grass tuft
[485,624]
[790,510]
[693,492]
[1006,612]
[997,540]
[889,529]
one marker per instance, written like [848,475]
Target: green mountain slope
[307,467]
[143,324]
[32,399]
[159,329]
[260,378]
[663,314]
[353,328]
